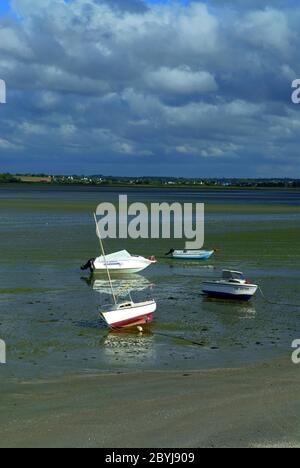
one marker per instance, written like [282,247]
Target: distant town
[101,180]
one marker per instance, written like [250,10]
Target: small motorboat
[191,254]
[233,285]
[119,262]
[128,314]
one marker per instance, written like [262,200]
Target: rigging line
[197,343]
[276,303]
[105,260]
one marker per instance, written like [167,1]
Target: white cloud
[11,43]
[181,81]
[267,28]
[198,29]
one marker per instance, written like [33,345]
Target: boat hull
[126,318]
[205,255]
[123,270]
[124,266]
[229,291]
[234,297]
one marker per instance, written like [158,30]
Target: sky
[133,87]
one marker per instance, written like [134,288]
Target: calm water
[49,309]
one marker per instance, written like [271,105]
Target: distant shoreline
[149,182]
[148,186]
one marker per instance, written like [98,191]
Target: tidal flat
[50,310]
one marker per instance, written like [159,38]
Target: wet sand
[256,406]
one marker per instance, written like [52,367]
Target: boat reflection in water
[122,286]
[230,312]
[128,348]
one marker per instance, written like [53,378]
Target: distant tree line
[150,181]
[8,179]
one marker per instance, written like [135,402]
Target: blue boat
[191,254]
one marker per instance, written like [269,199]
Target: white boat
[124,314]
[123,262]
[233,285]
[191,254]
[119,262]
[129,314]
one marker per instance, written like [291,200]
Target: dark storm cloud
[131,88]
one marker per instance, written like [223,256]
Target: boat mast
[105,261]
